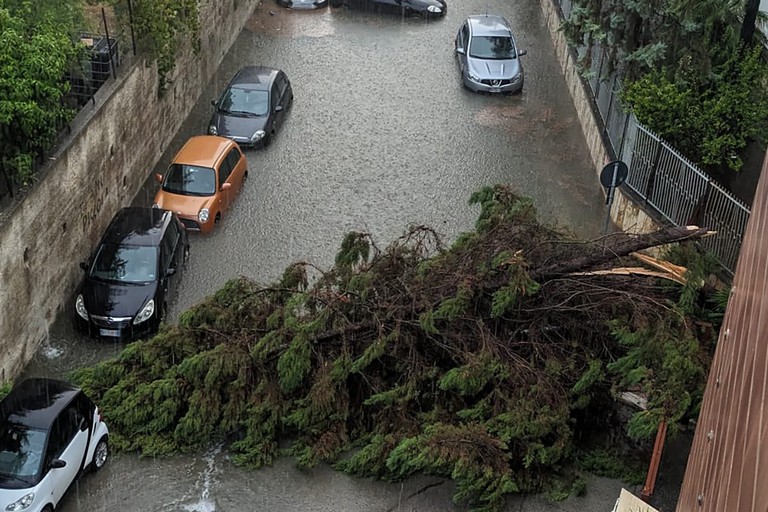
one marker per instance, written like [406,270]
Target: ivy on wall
[162,28]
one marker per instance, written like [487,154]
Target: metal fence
[664,180]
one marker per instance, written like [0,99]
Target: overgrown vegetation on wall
[478,362]
[163,28]
[39,46]
[689,74]
[36,52]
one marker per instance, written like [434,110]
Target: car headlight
[146,312]
[202,215]
[473,77]
[258,135]
[22,503]
[155,205]
[434,9]
[80,308]
[517,78]
[212,130]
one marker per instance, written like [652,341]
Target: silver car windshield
[492,48]
[244,101]
[21,452]
[125,264]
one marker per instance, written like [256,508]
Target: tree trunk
[620,245]
[750,18]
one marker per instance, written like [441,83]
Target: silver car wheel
[100,454]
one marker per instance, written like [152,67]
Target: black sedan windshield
[242,100]
[125,264]
[190,180]
[21,454]
[492,48]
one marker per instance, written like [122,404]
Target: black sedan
[425,8]
[132,275]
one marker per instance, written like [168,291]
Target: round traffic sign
[607,174]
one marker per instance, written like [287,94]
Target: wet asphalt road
[381,135]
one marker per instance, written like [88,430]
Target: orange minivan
[202,181]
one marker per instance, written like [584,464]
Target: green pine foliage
[5,389]
[666,361]
[474,362]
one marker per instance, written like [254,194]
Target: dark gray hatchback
[252,106]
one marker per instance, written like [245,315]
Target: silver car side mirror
[460,51]
[520,53]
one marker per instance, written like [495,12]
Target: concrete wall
[627,215]
[99,168]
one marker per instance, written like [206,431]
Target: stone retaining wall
[101,166]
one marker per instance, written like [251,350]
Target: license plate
[110,332]
[494,89]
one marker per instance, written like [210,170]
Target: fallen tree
[478,362]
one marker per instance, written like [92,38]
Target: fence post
[700,210]
[130,24]
[607,120]
[624,136]
[652,174]
[599,72]
[8,182]
[109,45]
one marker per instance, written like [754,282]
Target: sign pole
[612,175]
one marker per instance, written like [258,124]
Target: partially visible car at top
[252,107]
[303,4]
[488,56]
[424,8]
[50,434]
[203,181]
[132,275]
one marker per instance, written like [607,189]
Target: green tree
[36,51]
[484,362]
[645,35]
[710,122]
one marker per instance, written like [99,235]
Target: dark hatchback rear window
[21,455]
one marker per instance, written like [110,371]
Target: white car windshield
[125,264]
[245,101]
[492,48]
[21,453]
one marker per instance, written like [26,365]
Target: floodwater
[381,135]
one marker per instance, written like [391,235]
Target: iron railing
[664,180]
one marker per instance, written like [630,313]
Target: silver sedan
[489,59]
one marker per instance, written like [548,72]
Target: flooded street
[381,135]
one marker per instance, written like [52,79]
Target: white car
[49,433]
